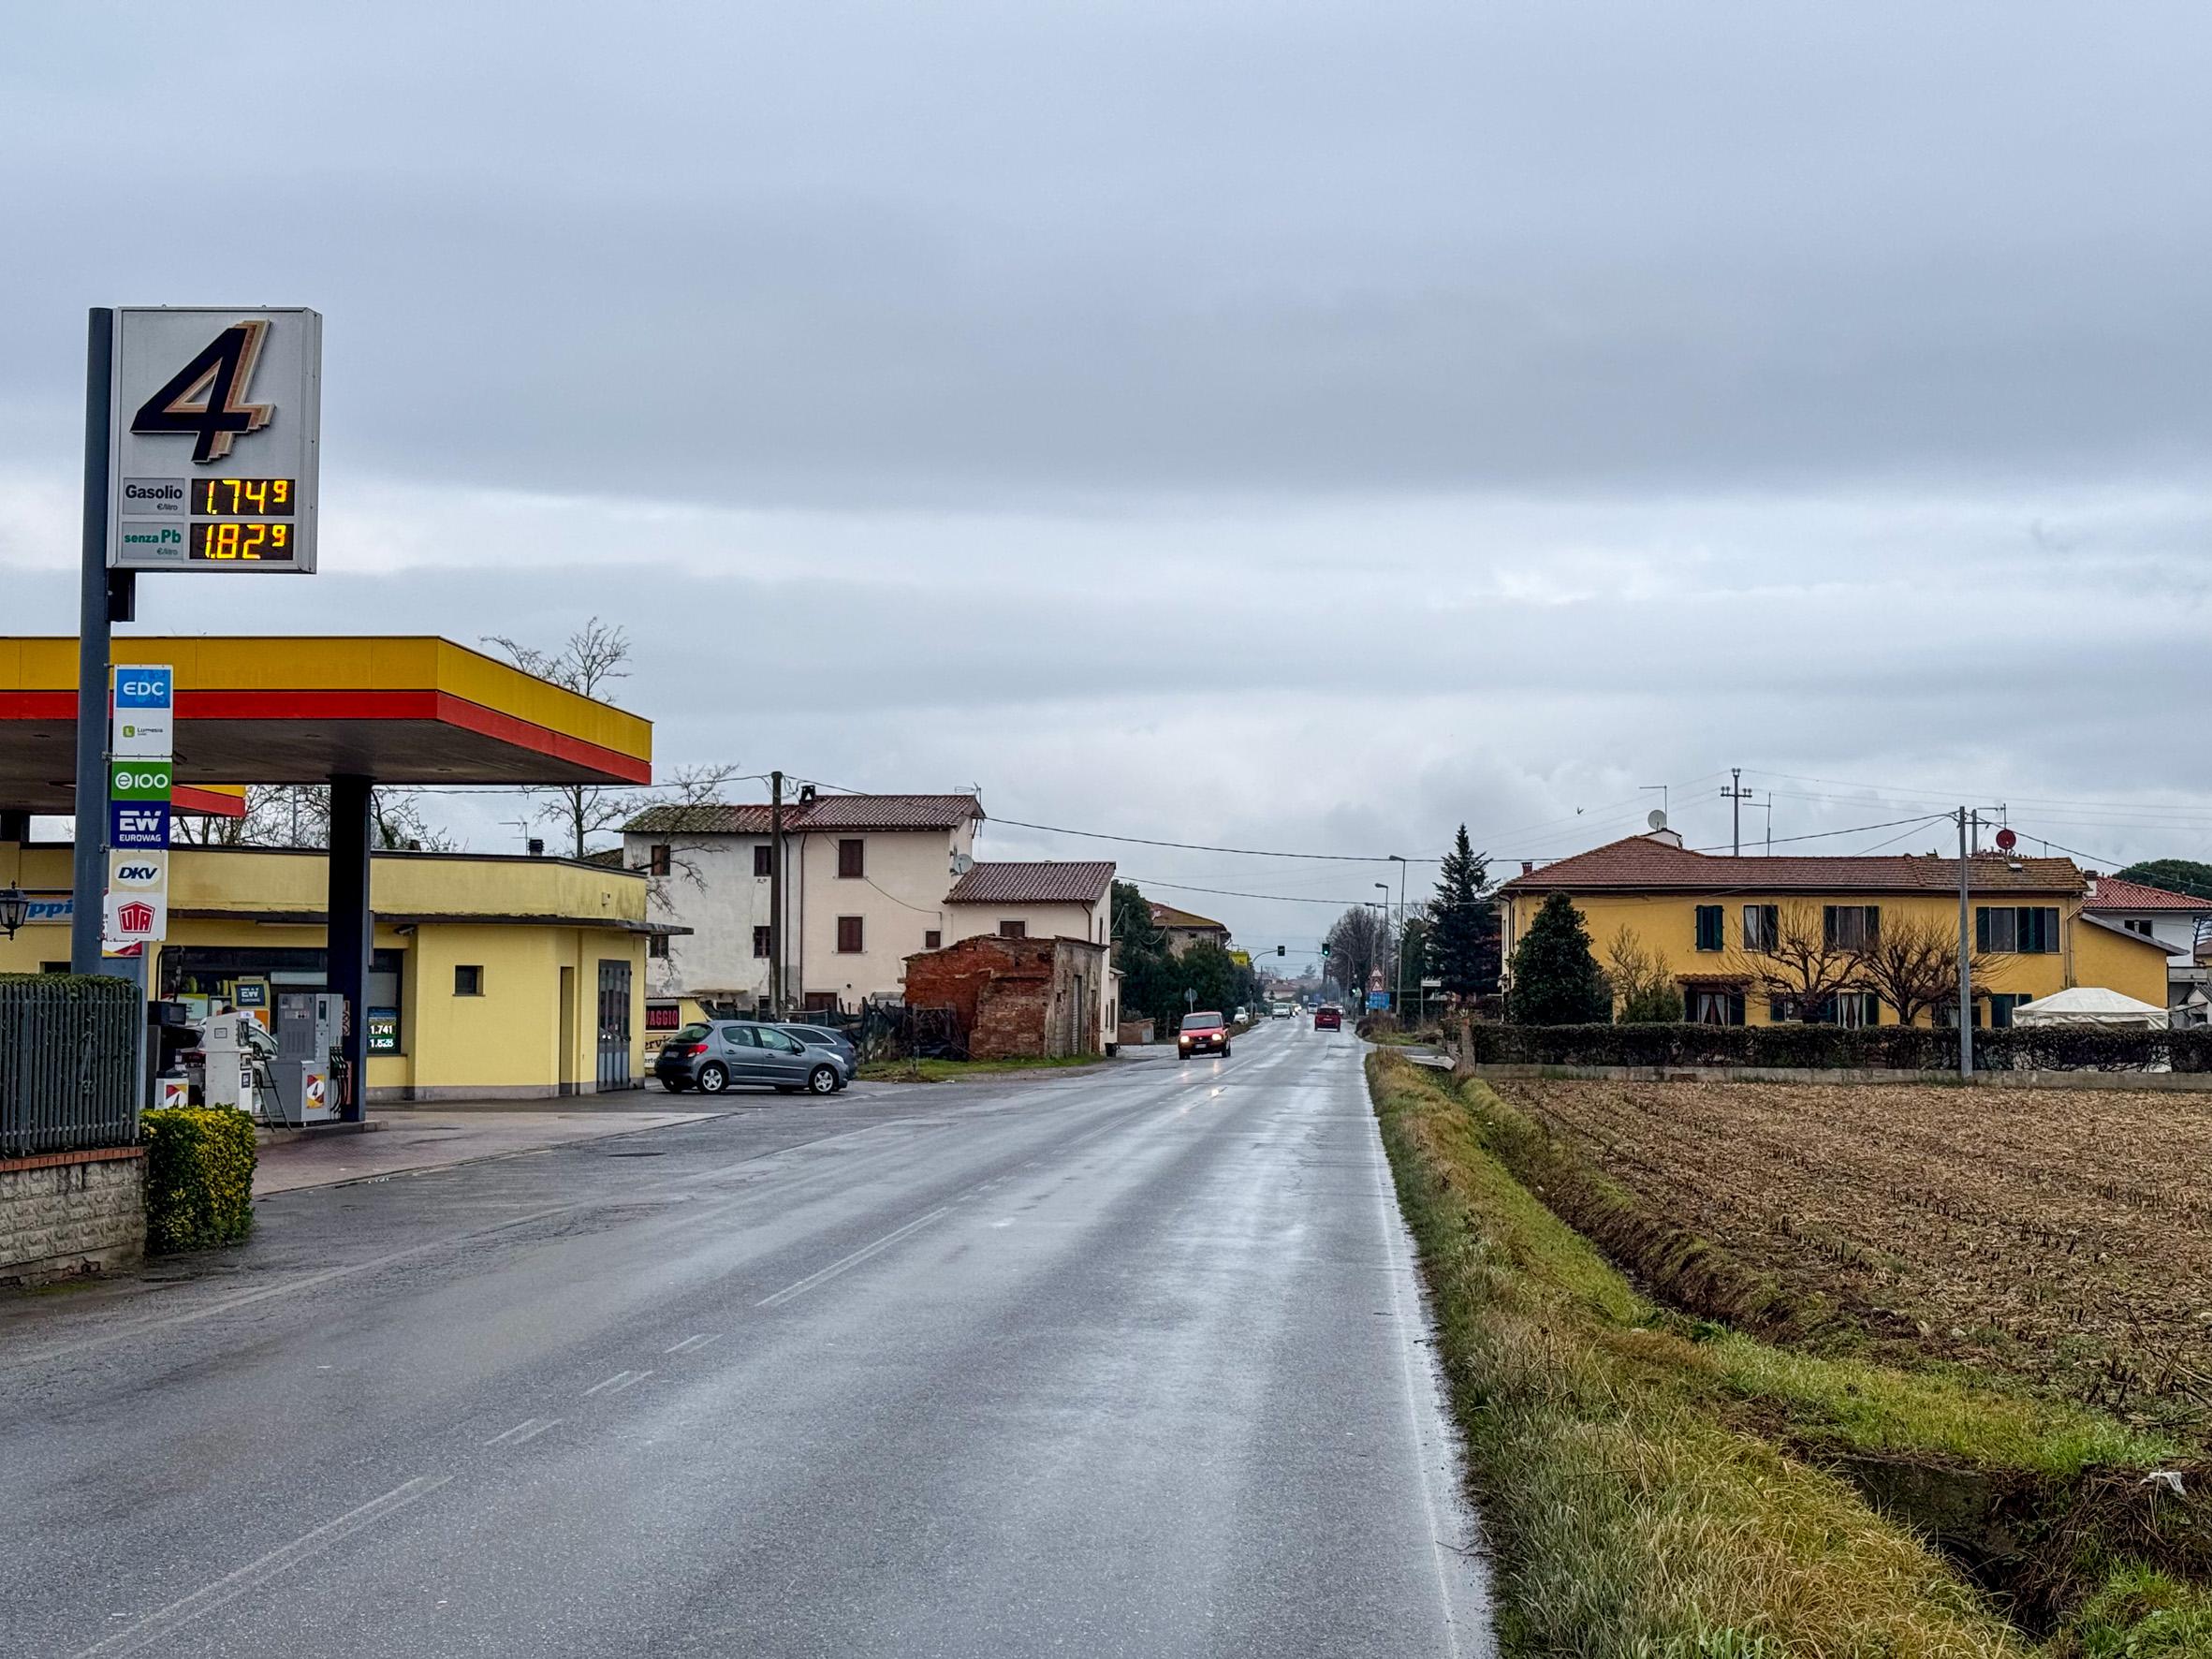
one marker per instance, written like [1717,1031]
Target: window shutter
[1828,923]
[1873,923]
[1981,926]
[1735,1007]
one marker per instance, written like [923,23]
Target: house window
[1947,1014]
[851,864]
[764,860]
[657,861]
[848,934]
[657,946]
[468,980]
[1708,927]
[2137,925]
[2002,1004]
[2025,930]
[760,943]
[1011,929]
[1762,926]
[1709,1004]
[933,939]
[1850,927]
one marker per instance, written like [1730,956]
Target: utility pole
[1966,986]
[775,895]
[1770,823]
[1397,993]
[1736,795]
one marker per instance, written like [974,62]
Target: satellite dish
[1657,820]
[2006,840]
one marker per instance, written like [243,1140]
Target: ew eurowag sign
[215,434]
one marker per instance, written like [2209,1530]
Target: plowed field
[2063,1237]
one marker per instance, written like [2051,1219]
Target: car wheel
[673,1085]
[1225,1050]
[823,1080]
[713,1080]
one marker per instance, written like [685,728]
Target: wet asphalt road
[1127,1361]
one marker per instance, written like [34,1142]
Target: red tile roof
[823,813]
[2112,893]
[1167,915]
[1041,882]
[1643,864]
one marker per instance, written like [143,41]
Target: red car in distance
[1328,1017]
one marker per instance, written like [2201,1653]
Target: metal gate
[614,1025]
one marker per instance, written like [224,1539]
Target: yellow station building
[487,976]
[1706,918]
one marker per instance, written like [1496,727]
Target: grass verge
[1645,1479]
[951,1071]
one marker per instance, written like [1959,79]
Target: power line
[1193,846]
[1232,894]
[1858,830]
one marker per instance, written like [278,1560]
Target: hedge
[199,1176]
[1894,1048]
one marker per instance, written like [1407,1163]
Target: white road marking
[847,1263]
[232,1585]
[616,1383]
[689,1343]
[528,1428]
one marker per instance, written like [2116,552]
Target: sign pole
[89,861]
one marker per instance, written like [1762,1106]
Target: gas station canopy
[302,711]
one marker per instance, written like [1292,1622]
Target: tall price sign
[140,766]
[215,425]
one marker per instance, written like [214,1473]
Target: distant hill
[2177,876]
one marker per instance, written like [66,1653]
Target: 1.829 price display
[244,542]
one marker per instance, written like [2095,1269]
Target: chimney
[1528,866]
[538,847]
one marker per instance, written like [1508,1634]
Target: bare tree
[1641,980]
[299,815]
[1359,942]
[1798,961]
[1913,965]
[588,662]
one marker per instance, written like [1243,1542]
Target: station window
[468,980]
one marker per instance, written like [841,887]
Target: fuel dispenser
[310,1065]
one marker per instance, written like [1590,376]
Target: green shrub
[199,1176]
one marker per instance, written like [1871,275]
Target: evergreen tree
[1150,985]
[1463,925]
[1556,980]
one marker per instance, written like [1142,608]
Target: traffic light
[1324,951]
[1279,950]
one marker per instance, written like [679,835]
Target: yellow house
[491,977]
[1753,940]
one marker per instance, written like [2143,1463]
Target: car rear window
[692,1034]
[1201,1021]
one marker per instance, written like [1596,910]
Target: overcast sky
[1296,426]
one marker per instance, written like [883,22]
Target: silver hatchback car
[721,1054]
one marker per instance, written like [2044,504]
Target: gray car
[825,1036]
[722,1054]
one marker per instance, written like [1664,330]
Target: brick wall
[1006,993]
[71,1212]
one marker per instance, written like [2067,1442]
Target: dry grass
[2063,1238]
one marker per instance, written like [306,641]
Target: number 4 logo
[220,378]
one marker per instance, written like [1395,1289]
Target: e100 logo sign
[139,781]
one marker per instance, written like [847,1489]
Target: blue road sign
[1378,999]
[142,688]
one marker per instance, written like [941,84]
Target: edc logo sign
[142,688]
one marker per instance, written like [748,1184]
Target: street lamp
[15,907]
[1398,980]
[1384,906]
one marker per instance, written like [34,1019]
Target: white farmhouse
[2182,924]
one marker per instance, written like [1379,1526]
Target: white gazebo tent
[2093,1007]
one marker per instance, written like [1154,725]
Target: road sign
[1432,985]
[1378,999]
[145,727]
[135,911]
[138,780]
[215,418]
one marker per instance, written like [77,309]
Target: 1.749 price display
[246,542]
[242,498]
